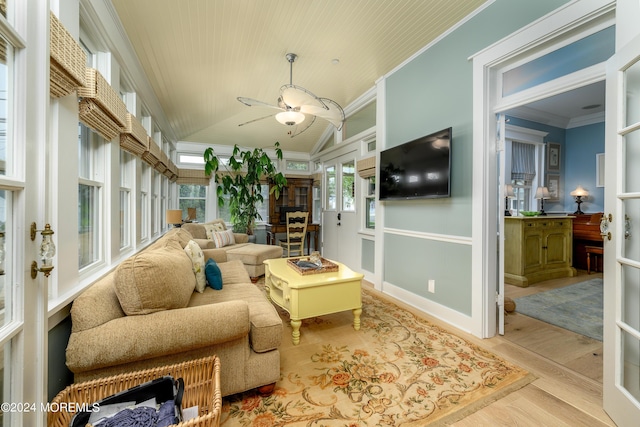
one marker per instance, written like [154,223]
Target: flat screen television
[417,169]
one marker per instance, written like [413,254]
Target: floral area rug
[397,370]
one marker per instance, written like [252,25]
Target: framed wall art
[553,185]
[553,156]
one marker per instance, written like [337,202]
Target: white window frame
[126,190]
[96,180]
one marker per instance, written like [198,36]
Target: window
[193,196]
[90,185]
[297,165]
[145,182]
[331,187]
[348,186]
[263,208]
[126,179]
[155,201]
[526,160]
[370,203]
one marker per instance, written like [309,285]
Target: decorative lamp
[47,251]
[542,193]
[290,117]
[508,194]
[579,193]
[174,217]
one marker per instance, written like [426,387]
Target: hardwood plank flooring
[568,369]
[567,390]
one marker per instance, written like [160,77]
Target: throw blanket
[143,417]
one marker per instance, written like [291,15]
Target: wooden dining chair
[296,223]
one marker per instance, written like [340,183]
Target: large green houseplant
[242,180]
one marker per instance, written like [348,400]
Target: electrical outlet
[431,286]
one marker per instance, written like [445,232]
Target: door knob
[604,226]
[339,216]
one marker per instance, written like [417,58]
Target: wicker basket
[327,266]
[134,138]
[201,381]
[67,64]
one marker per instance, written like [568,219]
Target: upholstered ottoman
[253,255]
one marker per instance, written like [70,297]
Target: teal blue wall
[368,255]
[582,145]
[432,92]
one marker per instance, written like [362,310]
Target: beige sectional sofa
[148,312]
[252,255]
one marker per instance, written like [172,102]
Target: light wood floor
[568,367]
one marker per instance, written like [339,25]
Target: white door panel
[621,231]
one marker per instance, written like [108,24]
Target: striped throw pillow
[223,238]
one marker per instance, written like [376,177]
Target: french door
[339,217]
[621,233]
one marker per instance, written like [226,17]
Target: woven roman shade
[67,63]
[367,167]
[100,106]
[193,176]
[172,171]
[163,163]
[134,138]
[153,155]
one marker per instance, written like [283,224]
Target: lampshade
[579,191]
[542,193]
[290,117]
[508,191]
[174,216]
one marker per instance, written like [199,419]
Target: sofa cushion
[183,236]
[98,304]
[214,275]
[211,228]
[223,238]
[196,256]
[155,280]
[266,325]
[234,272]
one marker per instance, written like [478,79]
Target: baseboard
[440,312]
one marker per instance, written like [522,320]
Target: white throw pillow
[197,260]
[224,238]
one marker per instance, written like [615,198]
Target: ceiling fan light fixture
[290,118]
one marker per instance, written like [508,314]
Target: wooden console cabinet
[537,249]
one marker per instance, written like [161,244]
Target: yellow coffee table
[311,295]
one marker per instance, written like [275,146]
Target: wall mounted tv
[417,169]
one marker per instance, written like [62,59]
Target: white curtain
[523,161]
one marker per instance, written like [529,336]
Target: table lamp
[508,194]
[542,193]
[579,193]
[174,216]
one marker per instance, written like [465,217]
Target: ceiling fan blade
[333,113]
[308,121]
[255,120]
[250,102]
[298,97]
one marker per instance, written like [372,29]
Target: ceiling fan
[298,106]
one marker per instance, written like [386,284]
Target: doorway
[340,219]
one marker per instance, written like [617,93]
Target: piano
[586,232]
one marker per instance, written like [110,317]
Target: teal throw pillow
[213,273]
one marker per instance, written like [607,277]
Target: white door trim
[549,29]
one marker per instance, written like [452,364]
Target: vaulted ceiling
[200,55]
